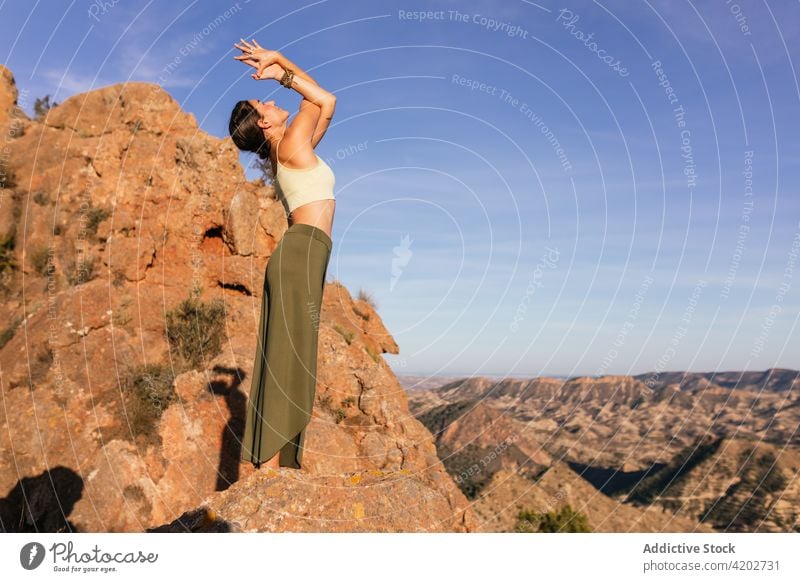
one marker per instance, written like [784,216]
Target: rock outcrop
[116,206]
[364,501]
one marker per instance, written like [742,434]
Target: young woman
[284,373]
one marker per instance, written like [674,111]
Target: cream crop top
[299,186]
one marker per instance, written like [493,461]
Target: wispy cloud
[163,67]
[71,83]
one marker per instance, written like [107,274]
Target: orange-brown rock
[364,501]
[120,204]
[9,94]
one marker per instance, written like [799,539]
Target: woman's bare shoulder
[295,153]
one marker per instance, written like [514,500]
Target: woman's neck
[275,138]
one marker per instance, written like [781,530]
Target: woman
[284,373]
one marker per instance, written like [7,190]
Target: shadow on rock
[41,504]
[233,432]
[197,521]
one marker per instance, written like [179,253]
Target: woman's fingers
[248,46]
[247,60]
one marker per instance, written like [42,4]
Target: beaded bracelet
[288,77]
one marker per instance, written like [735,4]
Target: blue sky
[514,185]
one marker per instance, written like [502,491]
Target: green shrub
[349,401]
[195,329]
[366,297]
[82,271]
[9,331]
[566,520]
[8,179]
[339,415]
[41,363]
[41,106]
[362,314]
[94,216]
[41,198]
[41,260]
[148,391]
[7,261]
[346,334]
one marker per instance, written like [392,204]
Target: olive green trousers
[285,368]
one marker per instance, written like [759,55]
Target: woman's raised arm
[261,58]
[318,105]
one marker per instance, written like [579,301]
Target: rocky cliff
[119,214]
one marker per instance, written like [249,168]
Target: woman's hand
[265,61]
[274,71]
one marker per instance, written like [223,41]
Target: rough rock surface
[116,205]
[364,501]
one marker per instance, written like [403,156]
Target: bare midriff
[319,214]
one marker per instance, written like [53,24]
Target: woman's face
[270,113]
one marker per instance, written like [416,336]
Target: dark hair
[248,136]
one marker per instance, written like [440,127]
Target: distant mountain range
[774,376]
[661,452]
